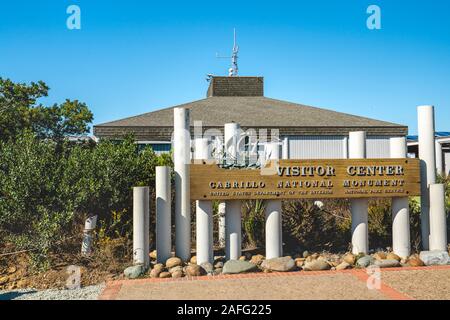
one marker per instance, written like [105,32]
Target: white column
[222,232]
[285,148]
[89,227]
[163,212]
[273,215]
[141,225]
[439,158]
[233,207]
[427,155]
[233,230]
[204,214]
[359,207]
[181,158]
[400,207]
[438,222]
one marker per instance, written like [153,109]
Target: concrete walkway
[396,283]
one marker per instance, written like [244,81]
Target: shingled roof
[240,99]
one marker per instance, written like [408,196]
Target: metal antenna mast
[233,71]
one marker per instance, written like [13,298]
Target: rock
[134,272]
[165,274]
[173,262]
[218,264]
[393,256]
[316,265]
[350,258]
[176,269]
[194,270]
[387,263]
[157,269]
[159,266]
[152,255]
[434,257]
[238,266]
[343,265]
[3,280]
[177,274]
[257,259]
[299,262]
[281,264]
[305,254]
[193,260]
[315,256]
[415,262]
[380,255]
[208,267]
[217,271]
[242,258]
[365,261]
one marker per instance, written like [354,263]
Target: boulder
[387,263]
[176,269]
[177,274]
[316,265]
[434,257]
[134,272]
[165,274]
[218,264]
[238,266]
[208,267]
[152,255]
[257,259]
[305,254]
[173,262]
[193,260]
[380,255]
[393,256]
[350,258]
[299,262]
[279,264]
[415,262]
[343,265]
[242,258]
[217,271]
[194,270]
[365,261]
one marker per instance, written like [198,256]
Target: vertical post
[359,207]
[141,225]
[427,155]
[273,215]
[204,214]
[286,148]
[233,230]
[222,223]
[233,208]
[89,227]
[438,221]
[400,207]
[163,212]
[181,155]
[439,158]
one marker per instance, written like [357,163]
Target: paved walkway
[396,283]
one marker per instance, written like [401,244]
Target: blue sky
[132,57]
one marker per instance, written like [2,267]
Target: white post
[438,222]
[439,158]
[233,230]
[141,225]
[181,157]
[163,212]
[204,214]
[222,232]
[273,215]
[427,155]
[400,207]
[285,148]
[233,208]
[359,207]
[89,227]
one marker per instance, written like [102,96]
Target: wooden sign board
[308,179]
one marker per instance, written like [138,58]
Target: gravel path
[86,293]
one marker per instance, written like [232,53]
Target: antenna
[233,71]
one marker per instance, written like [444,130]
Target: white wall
[333,147]
[447,163]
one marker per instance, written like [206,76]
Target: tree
[20,111]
